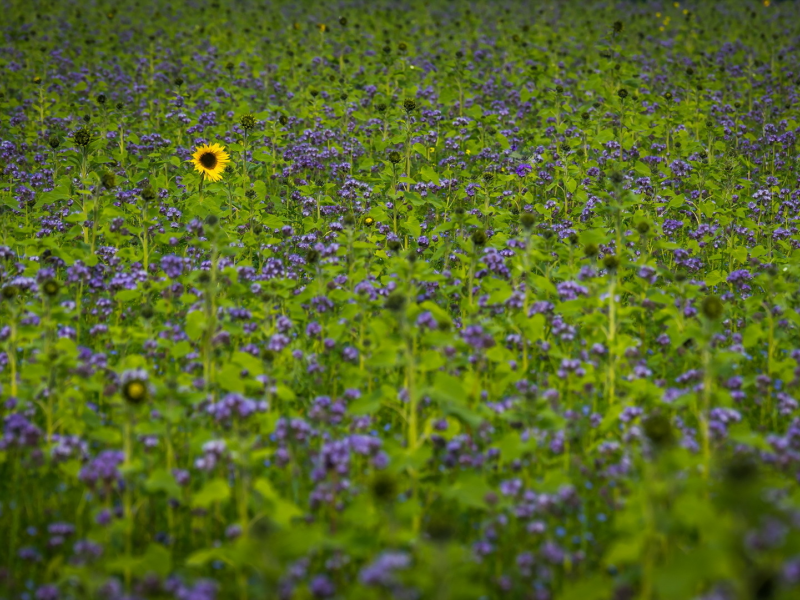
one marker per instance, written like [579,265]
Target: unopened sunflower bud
[383,487]
[109,180]
[611,262]
[247,122]
[479,237]
[658,429]
[82,138]
[527,220]
[50,288]
[148,194]
[395,302]
[712,307]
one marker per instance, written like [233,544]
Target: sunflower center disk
[208,160]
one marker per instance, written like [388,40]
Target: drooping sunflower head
[210,161]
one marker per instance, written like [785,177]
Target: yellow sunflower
[210,161]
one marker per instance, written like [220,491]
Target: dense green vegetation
[489,300]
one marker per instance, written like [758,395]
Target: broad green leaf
[216,490]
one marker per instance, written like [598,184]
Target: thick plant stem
[648,562]
[145,249]
[210,309]
[413,434]
[127,501]
[611,338]
[12,356]
[702,417]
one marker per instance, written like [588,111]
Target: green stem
[611,337]
[126,498]
[145,249]
[708,382]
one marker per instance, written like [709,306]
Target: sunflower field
[413,300]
